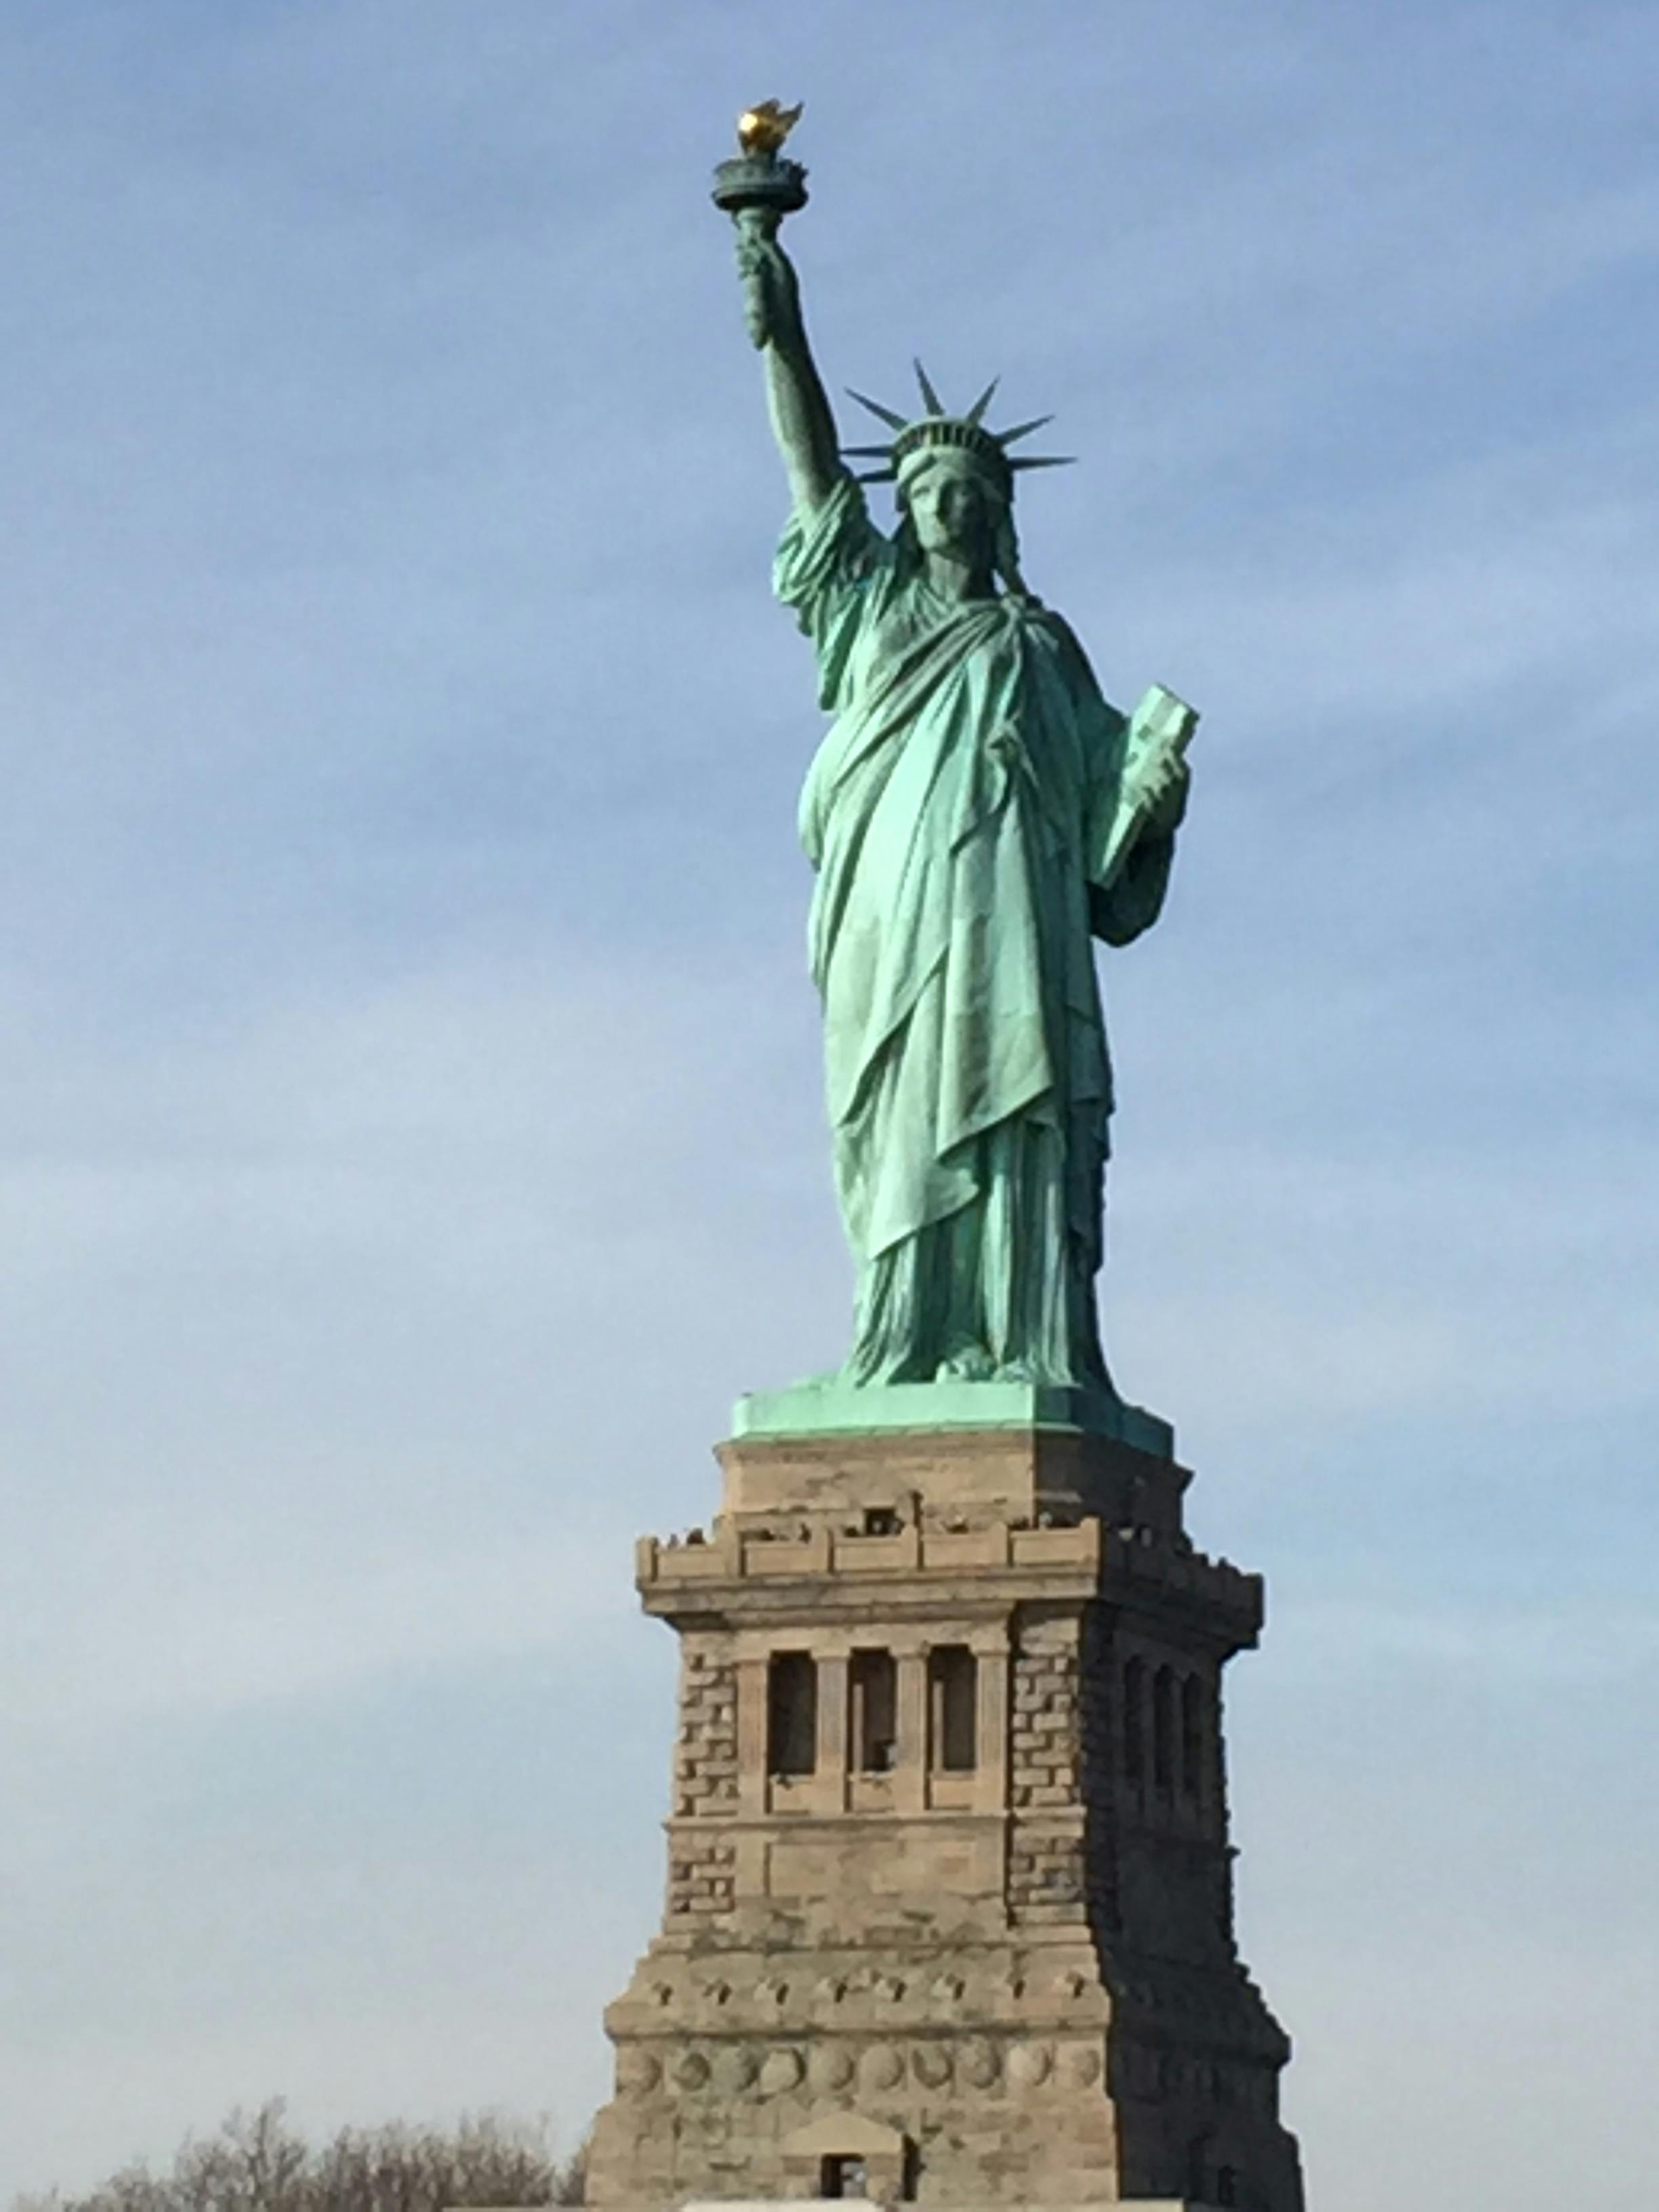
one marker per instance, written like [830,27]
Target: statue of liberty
[976,816]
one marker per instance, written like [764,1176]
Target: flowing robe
[957,813]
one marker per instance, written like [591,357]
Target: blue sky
[409,1136]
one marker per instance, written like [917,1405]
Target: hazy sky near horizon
[410,1124]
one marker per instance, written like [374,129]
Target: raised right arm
[802,422]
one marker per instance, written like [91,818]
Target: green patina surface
[978,817]
[837,1408]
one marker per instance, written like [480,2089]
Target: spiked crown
[967,432]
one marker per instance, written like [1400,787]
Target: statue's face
[954,510]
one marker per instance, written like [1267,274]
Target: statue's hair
[1005,556]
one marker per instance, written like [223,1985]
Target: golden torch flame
[762,128]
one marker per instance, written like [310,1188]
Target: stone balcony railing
[1086,1551]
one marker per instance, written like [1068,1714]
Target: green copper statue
[977,815]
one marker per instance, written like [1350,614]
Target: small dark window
[1226,2185]
[952,1709]
[843,2176]
[881,1521]
[873,1684]
[1164,1727]
[1134,1721]
[1192,1736]
[791,1714]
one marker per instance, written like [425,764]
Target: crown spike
[1043,461]
[882,414]
[930,398]
[977,412]
[1021,429]
[866,453]
[876,476]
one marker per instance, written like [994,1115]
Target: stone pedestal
[950,1911]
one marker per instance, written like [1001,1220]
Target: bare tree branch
[258,2162]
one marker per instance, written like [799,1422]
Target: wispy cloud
[410,1135]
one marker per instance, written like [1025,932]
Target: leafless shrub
[257,2162]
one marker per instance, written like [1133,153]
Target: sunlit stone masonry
[949,1902]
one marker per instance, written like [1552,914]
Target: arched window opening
[872,1684]
[791,1714]
[1164,1727]
[1192,1736]
[844,2177]
[952,1715]
[1134,1721]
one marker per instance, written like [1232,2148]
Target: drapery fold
[971,772]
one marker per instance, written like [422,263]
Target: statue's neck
[957,579]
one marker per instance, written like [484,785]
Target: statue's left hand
[1168,800]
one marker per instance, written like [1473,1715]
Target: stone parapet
[733,1571]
